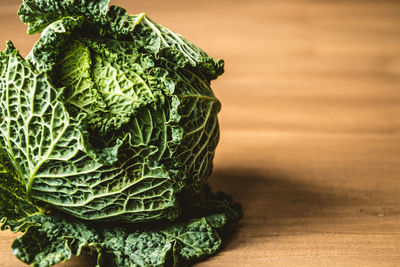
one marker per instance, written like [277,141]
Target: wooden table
[310,125]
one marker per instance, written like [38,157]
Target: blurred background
[310,124]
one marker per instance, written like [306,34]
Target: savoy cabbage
[108,131]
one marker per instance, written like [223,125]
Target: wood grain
[310,125]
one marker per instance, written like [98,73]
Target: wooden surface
[310,125]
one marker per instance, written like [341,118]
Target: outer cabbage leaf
[160,40]
[14,206]
[38,14]
[172,245]
[54,237]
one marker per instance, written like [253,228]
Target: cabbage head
[108,131]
